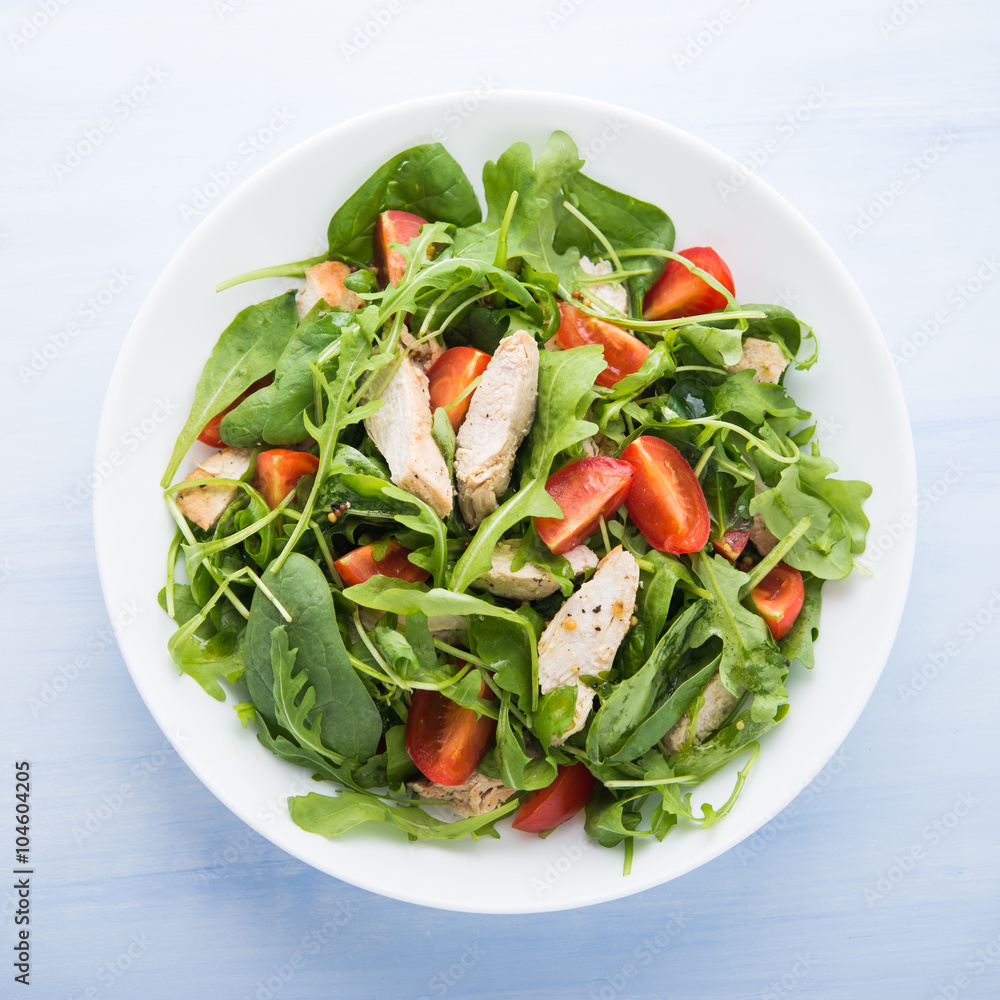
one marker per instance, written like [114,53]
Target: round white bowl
[281,214]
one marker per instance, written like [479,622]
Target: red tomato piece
[558,802]
[451,375]
[586,490]
[279,471]
[731,544]
[666,501]
[445,740]
[210,433]
[779,598]
[359,565]
[393,227]
[680,292]
[623,353]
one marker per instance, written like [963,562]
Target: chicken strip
[477,796]
[401,430]
[612,293]
[326,281]
[718,704]
[499,416]
[531,582]
[204,504]
[587,631]
[766,358]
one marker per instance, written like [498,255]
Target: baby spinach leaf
[718,345]
[350,724]
[554,714]
[503,645]
[754,400]
[248,349]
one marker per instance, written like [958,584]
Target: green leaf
[554,714]
[754,400]
[503,646]
[717,345]
[798,643]
[705,759]
[248,349]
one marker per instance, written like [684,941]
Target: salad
[508,515]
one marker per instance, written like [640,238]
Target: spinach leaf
[754,400]
[554,714]
[718,345]
[350,723]
[248,349]
[503,645]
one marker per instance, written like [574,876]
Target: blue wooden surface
[881,879]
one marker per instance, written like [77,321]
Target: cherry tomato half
[279,471]
[359,565]
[779,598]
[586,490]
[445,740]
[210,432]
[731,544]
[623,353]
[666,501]
[451,375]
[569,792]
[393,227]
[680,292]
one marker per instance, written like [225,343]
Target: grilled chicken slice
[477,796]
[612,293]
[326,281]
[766,358]
[401,430]
[499,417]
[424,354]
[587,631]
[531,582]
[205,504]
[718,704]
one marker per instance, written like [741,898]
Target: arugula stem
[703,461]
[681,779]
[379,659]
[603,239]
[776,554]
[267,593]
[692,267]
[297,269]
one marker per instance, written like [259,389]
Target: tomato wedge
[569,792]
[278,473]
[359,565]
[445,740]
[779,598]
[623,353]
[731,544]
[666,501]
[586,490]
[393,227]
[679,292]
[210,432]
[451,375]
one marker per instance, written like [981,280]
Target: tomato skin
[358,565]
[393,227]
[666,501]
[679,292]
[449,377]
[558,802]
[778,598]
[623,353]
[586,490]
[731,544]
[210,432]
[445,740]
[278,473]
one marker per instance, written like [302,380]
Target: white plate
[281,214]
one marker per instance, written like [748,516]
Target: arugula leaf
[798,643]
[503,645]
[718,345]
[754,400]
[705,759]
[783,327]
[248,349]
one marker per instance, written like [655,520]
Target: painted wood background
[876,118]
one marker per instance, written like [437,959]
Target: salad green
[328,672]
